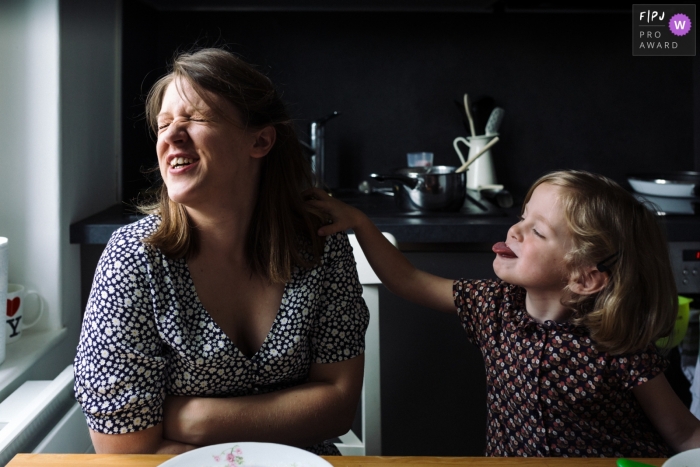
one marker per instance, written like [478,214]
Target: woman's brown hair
[282,233]
[613,230]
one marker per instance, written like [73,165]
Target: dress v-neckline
[209,317]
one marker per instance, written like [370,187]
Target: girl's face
[534,251]
[202,156]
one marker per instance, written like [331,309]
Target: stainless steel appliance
[685,261]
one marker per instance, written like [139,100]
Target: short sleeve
[342,315]
[477,303]
[119,380]
[638,368]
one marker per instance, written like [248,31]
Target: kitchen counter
[470,225]
[481,223]
[153,460]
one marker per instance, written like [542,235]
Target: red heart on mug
[12,306]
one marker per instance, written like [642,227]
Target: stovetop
[383,204]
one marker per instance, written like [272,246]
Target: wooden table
[153,460]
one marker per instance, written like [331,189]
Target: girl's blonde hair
[615,231]
[282,233]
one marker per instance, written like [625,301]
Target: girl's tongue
[502,249]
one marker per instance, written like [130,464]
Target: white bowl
[690,458]
[247,455]
[663,187]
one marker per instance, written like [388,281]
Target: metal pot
[436,188]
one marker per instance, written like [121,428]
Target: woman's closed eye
[198,119]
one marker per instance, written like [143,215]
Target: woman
[221,316]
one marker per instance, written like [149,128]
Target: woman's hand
[180,416]
[148,441]
[341,216]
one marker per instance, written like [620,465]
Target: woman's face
[202,156]
[537,245]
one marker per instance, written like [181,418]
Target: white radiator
[42,416]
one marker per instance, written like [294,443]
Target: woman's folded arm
[148,441]
[302,415]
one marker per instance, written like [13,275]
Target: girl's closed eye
[534,230]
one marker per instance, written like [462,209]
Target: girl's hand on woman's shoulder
[339,216]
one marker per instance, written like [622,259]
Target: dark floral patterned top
[550,392]
[145,334]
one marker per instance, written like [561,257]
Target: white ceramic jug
[481,172]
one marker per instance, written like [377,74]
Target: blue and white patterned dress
[146,335]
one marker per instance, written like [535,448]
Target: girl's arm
[303,415]
[392,267]
[678,427]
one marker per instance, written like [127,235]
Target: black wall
[574,95]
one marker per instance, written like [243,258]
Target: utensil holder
[481,172]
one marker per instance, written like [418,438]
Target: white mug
[481,172]
[17,311]
[4,264]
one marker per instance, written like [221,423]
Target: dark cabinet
[433,379]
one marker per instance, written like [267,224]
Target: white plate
[247,455]
[690,458]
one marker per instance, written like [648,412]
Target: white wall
[58,140]
[29,153]
[90,116]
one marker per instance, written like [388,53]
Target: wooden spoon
[467,108]
[477,155]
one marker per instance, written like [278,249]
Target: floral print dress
[146,335]
[549,391]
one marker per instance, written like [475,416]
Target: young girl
[567,334]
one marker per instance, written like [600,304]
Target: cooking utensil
[477,155]
[494,122]
[675,184]
[468,110]
[438,188]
